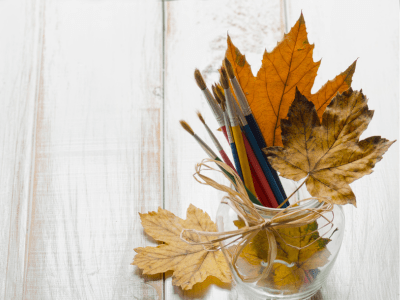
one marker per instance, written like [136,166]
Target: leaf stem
[292,193]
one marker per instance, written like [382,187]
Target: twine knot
[267,223]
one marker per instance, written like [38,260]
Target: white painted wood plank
[367,267]
[98,150]
[196,38]
[20,27]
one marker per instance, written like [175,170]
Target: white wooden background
[90,97]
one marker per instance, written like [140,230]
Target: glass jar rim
[312,203]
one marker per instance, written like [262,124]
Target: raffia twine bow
[239,201]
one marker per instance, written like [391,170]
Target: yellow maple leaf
[286,67]
[313,255]
[299,264]
[191,263]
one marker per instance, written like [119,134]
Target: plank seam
[34,136]
[163,120]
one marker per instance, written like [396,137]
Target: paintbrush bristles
[220,91]
[199,79]
[186,127]
[223,106]
[224,78]
[201,117]
[220,97]
[229,68]
[216,96]
[223,101]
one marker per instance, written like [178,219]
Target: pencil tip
[199,79]
[201,117]
[186,126]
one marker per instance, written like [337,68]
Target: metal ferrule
[214,107]
[213,138]
[239,113]
[205,147]
[228,128]
[241,97]
[231,108]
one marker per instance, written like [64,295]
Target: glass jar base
[246,292]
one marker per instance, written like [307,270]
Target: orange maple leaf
[289,65]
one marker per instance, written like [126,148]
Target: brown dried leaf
[191,264]
[330,152]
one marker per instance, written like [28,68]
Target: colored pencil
[212,155]
[237,133]
[255,130]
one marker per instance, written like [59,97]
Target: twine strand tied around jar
[239,201]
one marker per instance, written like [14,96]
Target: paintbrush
[219,100]
[210,99]
[227,130]
[261,183]
[237,132]
[259,187]
[212,155]
[256,159]
[216,142]
[256,132]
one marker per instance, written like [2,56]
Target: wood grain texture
[91,95]
[368,263]
[195,37]
[20,29]
[98,139]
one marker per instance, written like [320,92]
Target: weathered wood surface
[91,94]
[368,264]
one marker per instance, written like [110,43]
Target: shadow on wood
[199,290]
[317,296]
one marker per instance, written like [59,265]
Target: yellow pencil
[237,133]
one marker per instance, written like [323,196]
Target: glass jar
[296,273]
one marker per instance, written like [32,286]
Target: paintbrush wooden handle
[261,194]
[258,173]
[252,196]
[252,123]
[223,128]
[226,159]
[263,164]
[244,163]
[236,160]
